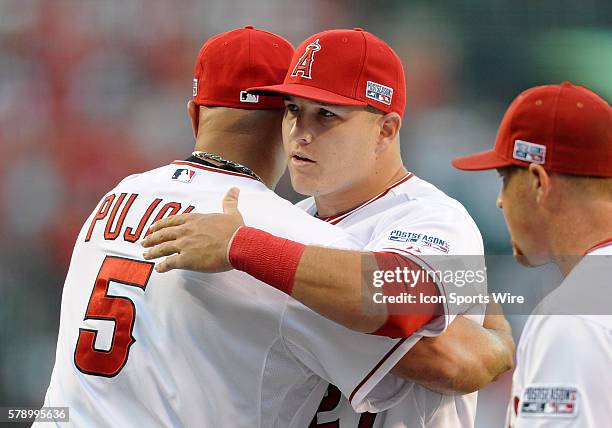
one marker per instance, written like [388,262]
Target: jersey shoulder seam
[448,205]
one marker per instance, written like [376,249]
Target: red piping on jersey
[335,219]
[598,246]
[212,169]
[380,363]
[403,251]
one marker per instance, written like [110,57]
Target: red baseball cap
[566,128]
[231,62]
[345,67]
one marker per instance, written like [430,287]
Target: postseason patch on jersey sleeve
[549,401]
[420,240]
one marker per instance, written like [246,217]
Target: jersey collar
[599,245]
[208,166]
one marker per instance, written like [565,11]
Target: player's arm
[329,281]
[463,359]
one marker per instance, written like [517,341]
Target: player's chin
[523,260]
[302,184]
[526,259]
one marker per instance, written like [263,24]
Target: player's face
[329,148]
[517,202]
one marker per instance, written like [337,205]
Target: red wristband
[266,257]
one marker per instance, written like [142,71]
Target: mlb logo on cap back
[194,88]
[345,67]
[245,97]
[231,62]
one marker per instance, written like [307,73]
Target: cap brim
[488,159]
[308,92]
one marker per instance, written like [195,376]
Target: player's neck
[573,237]
[247,150]
[358,193]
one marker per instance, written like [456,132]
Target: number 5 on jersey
[121,310]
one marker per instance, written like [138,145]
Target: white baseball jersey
[564,357]
[139,348]
[410,217]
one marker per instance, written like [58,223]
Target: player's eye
[326,113]
[292,107]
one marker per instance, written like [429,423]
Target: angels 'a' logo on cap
[304,64]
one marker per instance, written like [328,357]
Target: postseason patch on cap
[549,401]
[245,97]
[377,92]
[529,152]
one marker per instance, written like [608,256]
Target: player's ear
[193,111]
[388,130]
[539,182]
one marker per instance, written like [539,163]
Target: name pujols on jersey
[115,208]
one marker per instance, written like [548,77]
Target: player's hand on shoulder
[198,242]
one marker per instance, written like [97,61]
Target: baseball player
[554,154]
[136,348]
[345,97]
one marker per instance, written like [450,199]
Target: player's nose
[304,140]
[498,202]
[300,132]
